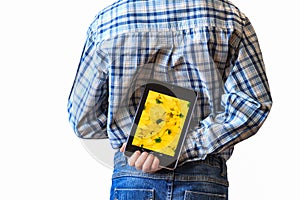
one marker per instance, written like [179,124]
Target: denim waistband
[212,169]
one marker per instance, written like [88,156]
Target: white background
[40,156]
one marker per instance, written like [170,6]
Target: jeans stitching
[151,191]
[204,193]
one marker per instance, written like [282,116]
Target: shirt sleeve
[246,101]
[88,102]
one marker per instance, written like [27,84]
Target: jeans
[198,180]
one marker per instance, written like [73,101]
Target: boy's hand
[146,162]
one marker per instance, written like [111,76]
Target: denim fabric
[198,180]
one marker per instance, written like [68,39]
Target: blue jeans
[199,180]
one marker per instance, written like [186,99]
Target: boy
[208,46]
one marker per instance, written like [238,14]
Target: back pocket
[136,194]
[192,195]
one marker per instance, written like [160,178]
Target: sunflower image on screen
[161,123]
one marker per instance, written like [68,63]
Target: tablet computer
[161,122]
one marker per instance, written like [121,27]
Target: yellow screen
[161,123]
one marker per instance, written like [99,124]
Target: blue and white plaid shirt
[208,46]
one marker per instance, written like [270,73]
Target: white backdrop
[40,156]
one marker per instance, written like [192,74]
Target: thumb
[122,149]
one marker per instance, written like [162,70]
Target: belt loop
[223,167]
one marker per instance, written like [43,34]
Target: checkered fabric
[208,46]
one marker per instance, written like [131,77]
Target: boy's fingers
[147,166]
[122,149]
[132,160]
[155,165]
[141,160]
[146,162]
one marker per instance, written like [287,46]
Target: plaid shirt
[208,46]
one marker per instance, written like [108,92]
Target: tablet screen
[161,123]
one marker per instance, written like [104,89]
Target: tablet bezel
[166,161]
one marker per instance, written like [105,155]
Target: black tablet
[161,122]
